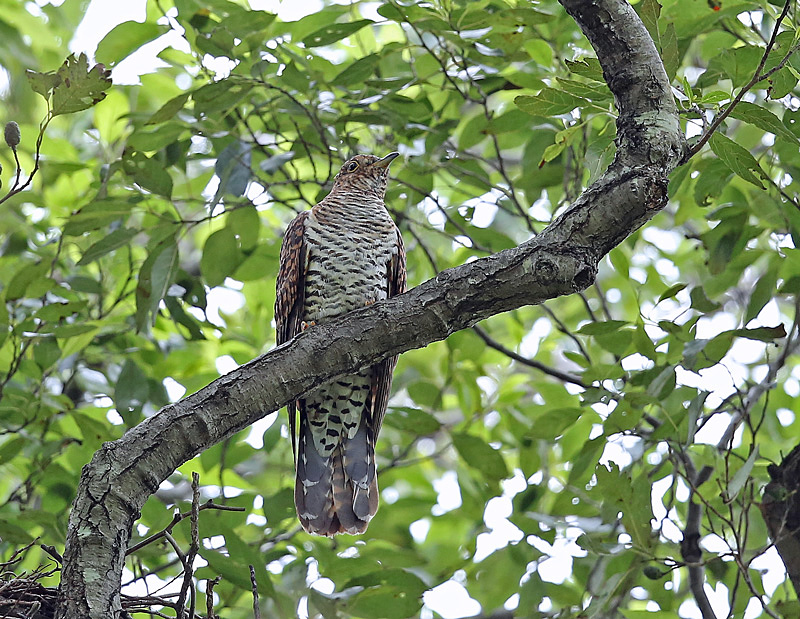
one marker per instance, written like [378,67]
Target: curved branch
[561,260]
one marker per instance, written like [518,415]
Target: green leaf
[762,118]
[701,302]
[13,533]
[148,172]
[412,420]
[155,278]
[169,109]
[156,138]
[477,454]
[24,277]
[424,392]
[126,38]
[233,169]
[358,71]
[737,159]
[741,476]
[702,353]
[649,11]
[763,292]
[275,162]
[601,328]
[390,594]
[96,215]
[549,102]
[4,324]
[670,292]
[242,22]
[761,334]
[739,63]
[118,238]
[221,256]
[131,389]
[670,51]
[782,83]
[583,464]
[221,96]
[663,384]
[694,410]
[632,498]
[334,32]
[245,224]
[43,83]
[279,506]
[229,568]
[588,67]
[553,423]
[11,447]
[80,87]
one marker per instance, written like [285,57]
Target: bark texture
[781,512]
[563,259]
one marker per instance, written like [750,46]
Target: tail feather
[359,466]
[336,493]
[312,489]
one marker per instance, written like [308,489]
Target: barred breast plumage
[343,254]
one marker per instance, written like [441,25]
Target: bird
[342,254]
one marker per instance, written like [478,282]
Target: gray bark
[563,259]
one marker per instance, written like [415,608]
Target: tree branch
[561,260]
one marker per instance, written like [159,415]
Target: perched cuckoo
[344,253]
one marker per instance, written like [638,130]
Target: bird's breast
[347,262]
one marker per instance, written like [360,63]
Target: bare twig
[51,550]
[194,546]
[18,555]
[256,609]
[16,188]
[690,546]
[176,519]
[210,584]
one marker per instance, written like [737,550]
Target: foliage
[140,261]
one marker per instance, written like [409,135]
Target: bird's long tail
[337,493]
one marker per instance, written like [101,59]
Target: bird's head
[364,173]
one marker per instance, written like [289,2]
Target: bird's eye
[352,166]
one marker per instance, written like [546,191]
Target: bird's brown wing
[382,372]
[290,293]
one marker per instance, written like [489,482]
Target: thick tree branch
[561,260]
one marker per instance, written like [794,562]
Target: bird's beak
[384,163]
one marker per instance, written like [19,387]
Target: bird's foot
[305,325]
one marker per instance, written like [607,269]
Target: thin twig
[256,609]
[690,546]
[210,584]
[562,376]
[194,545]
[176,519]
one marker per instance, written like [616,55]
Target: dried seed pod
[12,134]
